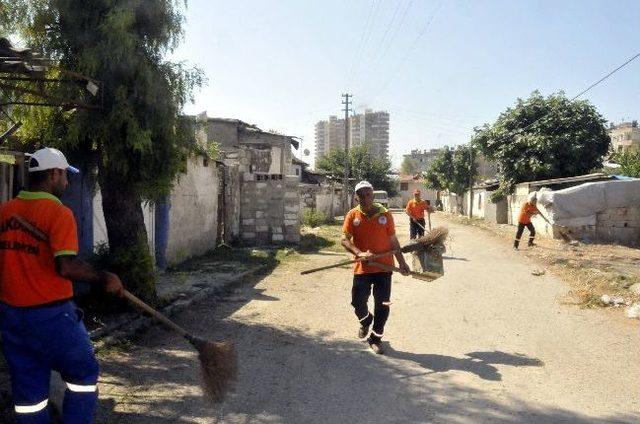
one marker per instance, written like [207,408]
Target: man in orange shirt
[368,229]
[527,210]
[416,208]
[41,327]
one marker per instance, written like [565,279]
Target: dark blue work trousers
[37,340]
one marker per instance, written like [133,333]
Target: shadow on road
[287,375]
[478,363]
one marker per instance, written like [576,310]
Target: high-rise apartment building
[369,128]
[329,135]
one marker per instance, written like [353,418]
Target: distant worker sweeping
[369,229]
[416,208]
[528,209]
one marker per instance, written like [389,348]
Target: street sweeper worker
[368,229]
[528,209]
[416,208]
[41,327]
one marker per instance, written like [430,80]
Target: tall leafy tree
[362,166]
[544,137]
[453,170]
[137,140]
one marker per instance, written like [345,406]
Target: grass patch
[324,237]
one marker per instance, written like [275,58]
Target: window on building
[404,186]
[480,201]
[297,171]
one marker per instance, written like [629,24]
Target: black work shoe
[376,347]
[531,244]
[363,332]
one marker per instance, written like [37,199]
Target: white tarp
[579,205]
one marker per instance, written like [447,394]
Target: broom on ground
[217,359]
[433,237]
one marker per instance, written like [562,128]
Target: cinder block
[292,209]
[248,221]
[276,229]
[248,235]
[261,222]
[260,214]
[277,237]
[290,216]
[261,185]
[262,228]
[293,238]
[290,222]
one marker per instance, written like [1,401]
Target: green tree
[136,139]
[453,170]
[544,137]
[409,166]
[362,166]
[629,162]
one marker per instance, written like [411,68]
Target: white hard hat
[49,158]
[533,196]
[363,184]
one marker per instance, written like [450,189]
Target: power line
[607,76]
[410,50]
[384,47]
[521,130]
[366,33]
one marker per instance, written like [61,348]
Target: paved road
[487,343]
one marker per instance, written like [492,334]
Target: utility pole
[346,102]
[471,179]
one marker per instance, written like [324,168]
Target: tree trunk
[130,256]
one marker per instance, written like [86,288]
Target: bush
[313,218]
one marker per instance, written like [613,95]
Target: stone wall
[269,211]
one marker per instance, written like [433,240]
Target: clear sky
[439,67]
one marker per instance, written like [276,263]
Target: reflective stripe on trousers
[30,409]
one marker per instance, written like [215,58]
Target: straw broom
[217,359]
[436,236]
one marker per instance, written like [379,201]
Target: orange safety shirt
[526,212]
[28,274]
[416,209]
[370,233]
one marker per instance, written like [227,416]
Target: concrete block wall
[322,198]
[619,225]
[270,211]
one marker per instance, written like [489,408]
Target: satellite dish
[306,152]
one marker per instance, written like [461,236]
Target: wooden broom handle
[352,261]
[426,275]
[157,315]
[126,293]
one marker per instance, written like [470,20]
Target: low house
[483,206]
[522,190]
[261,191]
[594,207]
[406,184]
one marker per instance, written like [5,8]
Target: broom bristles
[218,365]
[436,236]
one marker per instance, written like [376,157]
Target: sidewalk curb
[132,323]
